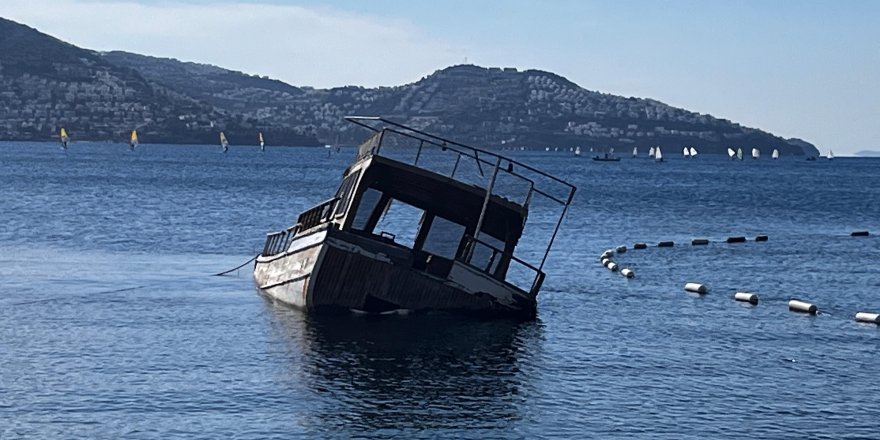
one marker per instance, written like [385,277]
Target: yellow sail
[64,137]
[223,140]
[134,136]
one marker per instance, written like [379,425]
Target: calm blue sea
[111,325]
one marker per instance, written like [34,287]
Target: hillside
[104,95]
[46,84]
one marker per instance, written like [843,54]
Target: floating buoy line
[794,304]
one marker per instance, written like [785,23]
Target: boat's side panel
[350,274]
[286,276]
[472,280]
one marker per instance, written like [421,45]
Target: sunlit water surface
[111,325]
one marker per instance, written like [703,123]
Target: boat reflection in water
[404,375]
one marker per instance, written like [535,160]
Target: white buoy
[620,249]
[746,297]
[612,266]
[627,273]
[802,306]
[605,261]
[873,318]
[696,288]
[606,254]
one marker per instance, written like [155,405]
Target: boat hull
[332,270]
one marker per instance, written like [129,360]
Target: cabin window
[369,199]
[346,189]
[483,255]
[443,238]
[401,222]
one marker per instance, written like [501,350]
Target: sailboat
[731,153]
[651,152]
[64,139]
[693,152]
[755,153]
[133,142]
[223,142]
[658,156]
[685,152]
[739,153]
[830,155]
[577,151]
[262,143]
[775,154]
[635,151]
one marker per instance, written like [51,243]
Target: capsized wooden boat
[419,223]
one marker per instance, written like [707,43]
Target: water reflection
[402,374]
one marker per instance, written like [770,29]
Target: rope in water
[237,267]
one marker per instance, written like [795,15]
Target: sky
[796,68]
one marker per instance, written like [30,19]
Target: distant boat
[775,154]
[651,152]
[693,152]
[830,155]
[133,142]
[262,143]
[223,142]
[685,152]
[658,155]
[756,153]
[635,151]
[607,157]
[731,153]
[577,151]
[64,139]
[739,153]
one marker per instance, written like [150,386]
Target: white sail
[830,155]
[739,153]
[730,152]
[685,152]
[635,151]
[775,154]
[756,153]
[262,143]
[651,152]
[693,151]
[658,155]
[577,151]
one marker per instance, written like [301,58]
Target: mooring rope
[237,267]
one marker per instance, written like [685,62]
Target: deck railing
[533,279]
[489,166]
[278,242]
[321,213]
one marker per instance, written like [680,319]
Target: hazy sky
[808,69]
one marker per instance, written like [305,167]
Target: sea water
[112,325]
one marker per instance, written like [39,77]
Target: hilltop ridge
[103,95]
